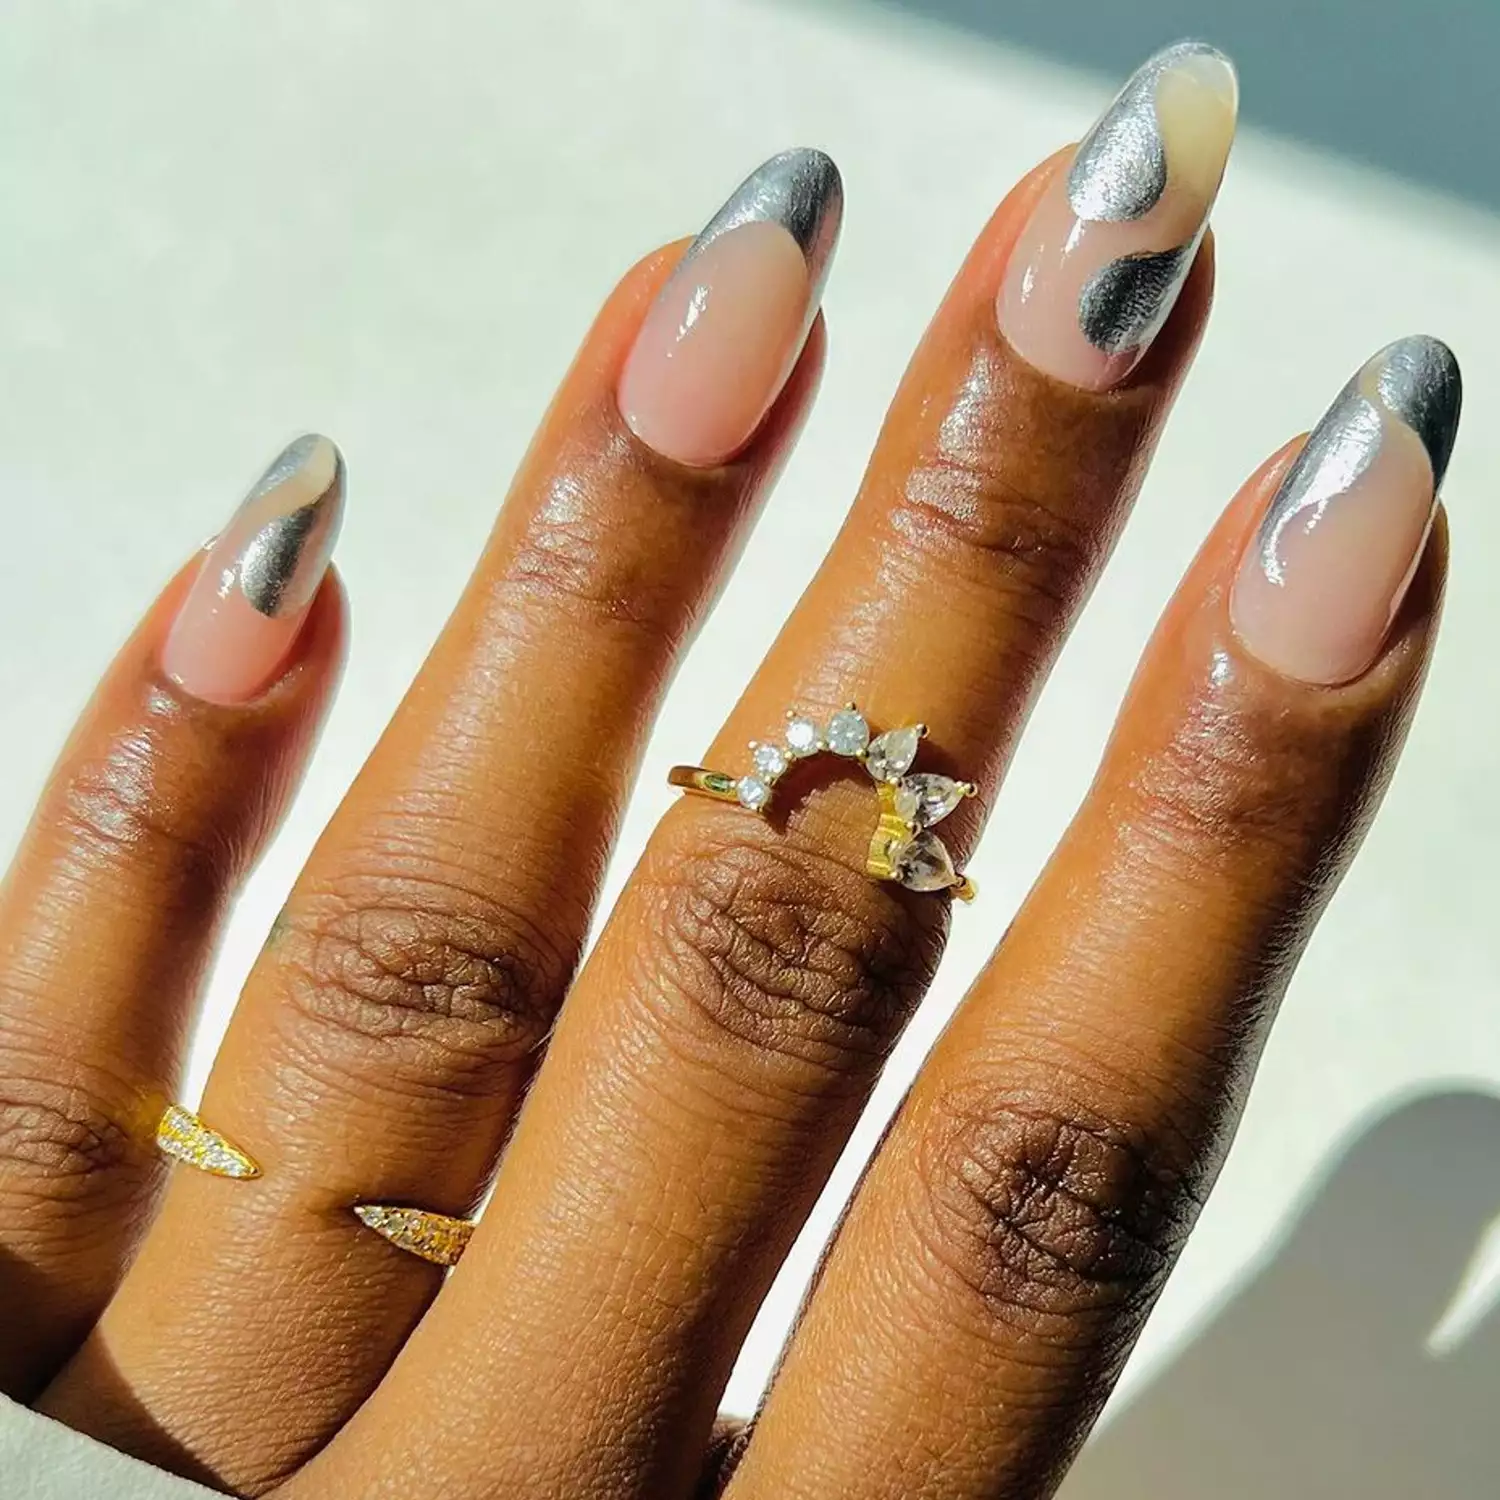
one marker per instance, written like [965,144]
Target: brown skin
[718,1047]
[155,814]
[387,1031]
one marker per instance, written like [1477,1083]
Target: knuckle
[57,1135]
[789,951]
[1050,1216]
[457,985]
[577,569]
[966,502]
[114,804]
[1213,789]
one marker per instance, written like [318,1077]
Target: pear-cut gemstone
[753,792]
[848,734]
[924,798]
[802,738]
[890,754]
[924,864]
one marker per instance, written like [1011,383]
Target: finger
[735,1012]
[172,782]
[1026,1208]
[385,1036]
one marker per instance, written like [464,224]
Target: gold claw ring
[903,847]
[440,1238]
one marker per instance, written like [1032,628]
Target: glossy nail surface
[1339,543]
[1099,265]
[241,617]
[721,339]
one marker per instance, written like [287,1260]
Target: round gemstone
[890,754]
[770,760]
[753,792]
[802,737]
[848,734]
[924,864]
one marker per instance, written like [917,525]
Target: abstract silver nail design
[1416,381]
[290,521]
[802,191]
[1120,170]
[1124,305]
[1120,174]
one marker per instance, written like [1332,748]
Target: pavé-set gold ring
[903,847]
[440,1238]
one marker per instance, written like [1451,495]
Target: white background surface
[228,223]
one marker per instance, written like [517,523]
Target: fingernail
[721,339]
[1331,561]
[1097,268]
[241,617]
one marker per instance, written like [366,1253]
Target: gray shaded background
[1315,1381]
[1408,87]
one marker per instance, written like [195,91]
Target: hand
[686,1105]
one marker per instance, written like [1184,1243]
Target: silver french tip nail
[802,191]
[1418,379]
[1120,170]
[291,520]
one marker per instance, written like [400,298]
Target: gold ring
[439,1238]
[181,1135]
[903,848]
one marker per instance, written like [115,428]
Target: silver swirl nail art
[1120,170]
[292,516]
[802,191]
[1123,304]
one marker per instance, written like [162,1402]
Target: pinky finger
[167,790]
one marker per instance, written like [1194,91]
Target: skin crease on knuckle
[420,982]
[599,562]
[792,954]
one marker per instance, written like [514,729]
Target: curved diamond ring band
[903,847]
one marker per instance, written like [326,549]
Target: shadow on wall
[1316,1380]
[1406,87]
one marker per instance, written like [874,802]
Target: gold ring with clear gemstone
[440,1238]
[181,1135]
[903,848]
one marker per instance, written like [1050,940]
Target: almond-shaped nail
[1339,543]
[718,344]
[240,619]
[1098,266]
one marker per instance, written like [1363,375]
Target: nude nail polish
[240,619]
[717,346]
[1099,265]
[1327,570]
